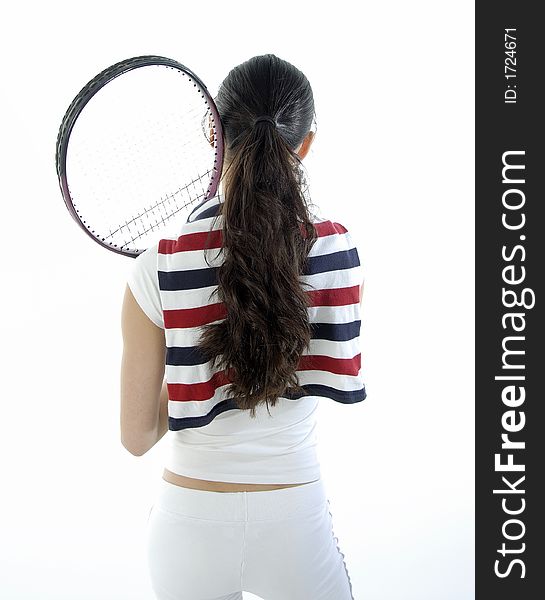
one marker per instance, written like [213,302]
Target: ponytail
[267,233]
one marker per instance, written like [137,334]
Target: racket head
[111,180]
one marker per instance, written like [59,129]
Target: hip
[206,545]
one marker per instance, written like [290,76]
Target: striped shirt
[330,368]
[209,437]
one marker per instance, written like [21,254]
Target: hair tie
[265,118]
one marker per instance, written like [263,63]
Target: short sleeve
[352,246]
[143,282]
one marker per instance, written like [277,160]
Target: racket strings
[139,155]
[139,218]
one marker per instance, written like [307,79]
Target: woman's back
[267,449]
[175,282]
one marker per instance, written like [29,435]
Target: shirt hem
[302,477]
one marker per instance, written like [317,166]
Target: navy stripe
[216,198]
[209,212]
[195,209]
[185,356]
[199,278]
[187,422]
[189,356]
[336,332]
[188,279]
[344,259]
[344,397]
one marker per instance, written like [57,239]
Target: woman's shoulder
[332,234]
[147,259]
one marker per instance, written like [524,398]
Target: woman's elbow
[136,449]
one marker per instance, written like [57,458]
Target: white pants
[277,544]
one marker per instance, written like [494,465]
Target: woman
[254,309]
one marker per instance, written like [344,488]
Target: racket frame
[85,95]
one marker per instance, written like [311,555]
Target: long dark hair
[267,232]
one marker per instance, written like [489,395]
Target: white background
[393,161]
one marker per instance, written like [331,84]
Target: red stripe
[186,392]
[329,228]
[340,228]
[194,317]
[335,296]
[201,240]
[191,241]
[340,366]
[183,318]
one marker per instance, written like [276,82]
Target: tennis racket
[139,148]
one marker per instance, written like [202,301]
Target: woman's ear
[211,134]
[303,149]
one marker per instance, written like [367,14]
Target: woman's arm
[162,425]
[143,390]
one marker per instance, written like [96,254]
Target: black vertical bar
[510,255]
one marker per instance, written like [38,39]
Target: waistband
[241,506]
